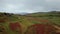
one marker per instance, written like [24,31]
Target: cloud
[29,6]
[52,0]
[52,5]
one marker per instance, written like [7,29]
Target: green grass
[25,21]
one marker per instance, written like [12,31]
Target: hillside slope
[25,21]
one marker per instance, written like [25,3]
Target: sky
[29,6]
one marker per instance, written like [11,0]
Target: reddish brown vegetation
[58,33]
[2,21]
[3,30]
[40,29]
[14,26]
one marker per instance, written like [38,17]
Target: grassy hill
[27,20]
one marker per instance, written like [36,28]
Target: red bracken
[39,29]
[1,21]
[14,26]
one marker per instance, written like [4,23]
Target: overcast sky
[29,6]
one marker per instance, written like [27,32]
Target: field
[29,24]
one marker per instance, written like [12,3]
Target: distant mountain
[55,13]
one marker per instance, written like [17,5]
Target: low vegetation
[19,24]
